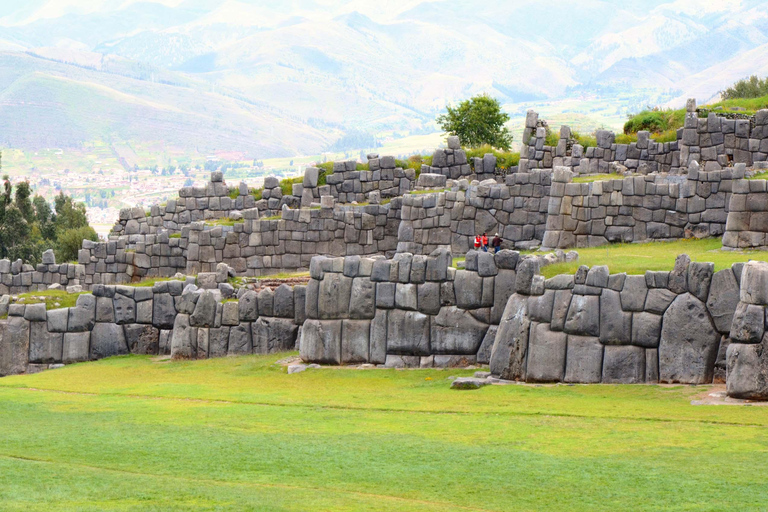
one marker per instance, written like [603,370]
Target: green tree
[477,121]
[70,241]
[752,87]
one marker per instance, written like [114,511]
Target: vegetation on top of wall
[655,121]
[752,87]
[53,299]
[504,159]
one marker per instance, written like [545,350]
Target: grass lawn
[131,433]
[637,258]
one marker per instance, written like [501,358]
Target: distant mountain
[279,78]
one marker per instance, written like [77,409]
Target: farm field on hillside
[137,433]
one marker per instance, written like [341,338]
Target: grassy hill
[135,433]
[44,104]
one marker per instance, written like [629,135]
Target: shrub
[752,87]
[586,141]
[504,159]
[71,240]
[655,121]
[286,185]
[256,193]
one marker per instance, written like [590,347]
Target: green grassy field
[133,433]
[637,258]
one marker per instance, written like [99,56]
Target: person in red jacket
[485,242]
[478,242]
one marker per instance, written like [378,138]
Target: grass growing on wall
[133,433]
[53,299]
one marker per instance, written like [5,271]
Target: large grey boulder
[205,311]
[163,311]
[184,339]
[540,306]
[125,309]
[272,334]
[503,288]
[142,339]
[57,319]
[486,347]
[748,323]
[583,316]
[634,293]
[355,341]
[747,370]
[83,315]
[510,349]
[468,287]
[678,277]
[75,347]
[723,299]
[283,306]
[44,346]
[248,306]
[699,278]
[754,283]
[689,343]
[105,310]
[218,341]
[456,331]
[377,353]
[584,360]
[407,333]
[646,329]
[240,340]
[321,341]
[546,354]
[107,340]
[333,298]
[526,270]
[624,364]
[14,346]
[560,306]
[659,300]
[615,324]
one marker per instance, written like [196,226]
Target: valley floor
[140,433]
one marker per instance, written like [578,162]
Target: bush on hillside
[654,121]
[752,87]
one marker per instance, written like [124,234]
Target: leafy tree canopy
[752,87]
[29,226]
[477,121]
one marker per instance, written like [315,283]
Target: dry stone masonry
[378,244]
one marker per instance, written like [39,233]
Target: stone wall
[347,184]
[515,209]
[171,317]
[747,221]
[639,208]
[19,277]
[595,327]
[714,141]
[412,310]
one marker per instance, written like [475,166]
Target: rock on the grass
[296,368]
[468,383]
